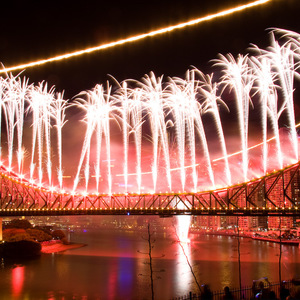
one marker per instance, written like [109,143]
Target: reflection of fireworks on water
[163,128]
[183,226]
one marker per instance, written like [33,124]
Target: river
[115,265]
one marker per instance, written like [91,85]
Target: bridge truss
[276,194]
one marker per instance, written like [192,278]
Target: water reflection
[182,228]
[125,274]
[184,271]
[115,265]
[112,284]
[17,281]
[183,275]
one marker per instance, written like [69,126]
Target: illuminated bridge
[276,194]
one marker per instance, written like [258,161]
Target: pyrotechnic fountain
[157,135]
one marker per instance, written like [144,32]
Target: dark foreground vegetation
[261,289]
[22,240]
[20,249]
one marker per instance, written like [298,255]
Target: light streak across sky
[249,148]
[216,159]
[136,37]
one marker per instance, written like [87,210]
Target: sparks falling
[157,134]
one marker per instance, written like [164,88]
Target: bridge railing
[275,194]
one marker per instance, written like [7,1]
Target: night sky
[32,30]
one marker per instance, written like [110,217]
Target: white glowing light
[172,135]
[52,189]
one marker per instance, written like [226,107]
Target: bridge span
[275,194]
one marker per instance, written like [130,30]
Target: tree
[239,254]
[280,250]
[15,235]
[58,234]
[38,235]
[187,259]
[19,223]
[150,242]
[22,248]
[46,229]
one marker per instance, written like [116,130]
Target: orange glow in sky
[136,37]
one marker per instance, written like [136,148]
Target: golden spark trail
[136,37]
[216,159]
[249,148]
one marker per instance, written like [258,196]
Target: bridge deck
[276,194]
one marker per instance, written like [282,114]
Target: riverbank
[249,234]
[293,242]
[58,246]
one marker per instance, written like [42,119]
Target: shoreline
[58,246]
[292,242]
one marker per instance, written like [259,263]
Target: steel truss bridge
[275,194]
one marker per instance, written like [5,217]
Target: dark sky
[32,30]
